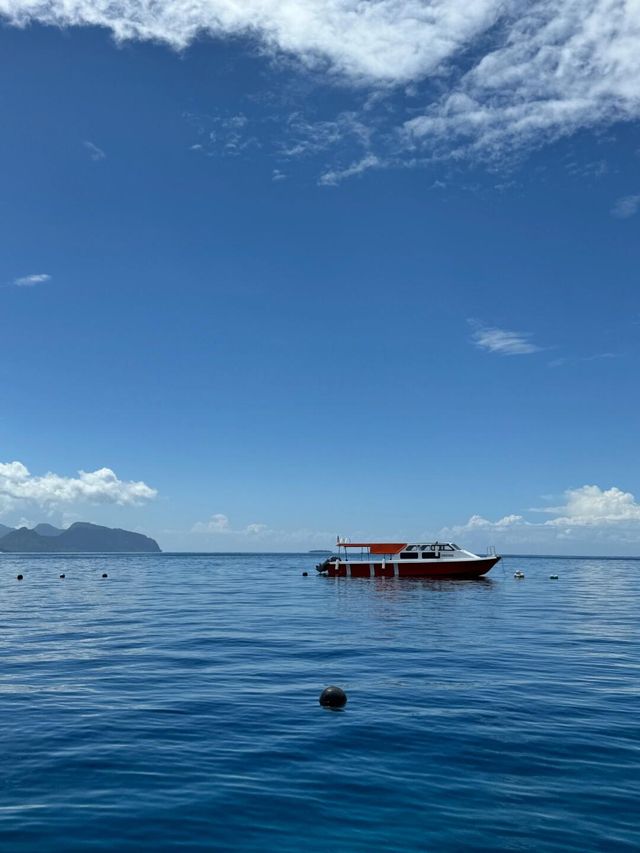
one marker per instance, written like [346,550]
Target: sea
[174,705]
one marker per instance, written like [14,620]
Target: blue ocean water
[175,704]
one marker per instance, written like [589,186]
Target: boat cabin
[400,551]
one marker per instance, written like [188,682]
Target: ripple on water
[177,704]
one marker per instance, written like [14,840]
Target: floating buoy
[105,575]
[518,575]
[62,577]
[305,574]
[18,577]
[553,577]
[333,697]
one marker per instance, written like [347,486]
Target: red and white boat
[405,560]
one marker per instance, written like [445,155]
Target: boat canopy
[376,547]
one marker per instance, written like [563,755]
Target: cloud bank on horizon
[18,486]
[478,79]
[589,516]
[219,525]
[603,515]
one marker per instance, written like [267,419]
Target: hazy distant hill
[45,529]
[80,537]
[4,530]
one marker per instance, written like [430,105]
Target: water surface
[176,703]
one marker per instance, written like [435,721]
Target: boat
[405,560]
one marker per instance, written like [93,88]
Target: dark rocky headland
[81,537]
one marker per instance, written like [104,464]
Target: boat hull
[405,569]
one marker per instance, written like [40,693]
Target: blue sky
[298,270]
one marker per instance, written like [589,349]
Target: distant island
[318,551]
[81,537]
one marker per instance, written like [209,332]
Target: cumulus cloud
[502,341]
[31,280]
[220,523]
[261,535]
[19,486]
[591,506]
[256,529]
[626,207]
[589,516]
[505,74]
[477,522]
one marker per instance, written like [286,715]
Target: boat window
[411,548]
[446,548]
[407,555]
[456,547]
[428,555]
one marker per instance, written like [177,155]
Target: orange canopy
[376,547]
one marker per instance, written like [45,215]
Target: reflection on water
[176,703]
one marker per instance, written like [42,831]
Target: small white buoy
[553,577]
[518,575]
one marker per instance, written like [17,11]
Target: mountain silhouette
[45,529]
[80,537]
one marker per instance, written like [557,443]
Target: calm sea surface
[176,704]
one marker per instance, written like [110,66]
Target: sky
[283,270]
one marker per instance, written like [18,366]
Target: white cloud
[478,522]
[626,206]
[243,537]
[480,530]
[256,529]
[306,137]
[224,135]
[220,523]
[593,506]
[385,40]
[510,73]
[589,518]
[18,486]
[95,152]
[502,341]
[31,280]
[333,177]
[555,66]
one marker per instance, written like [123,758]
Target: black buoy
[305,574]
[62,577]
[19,577]
[333,697]
[105,575]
